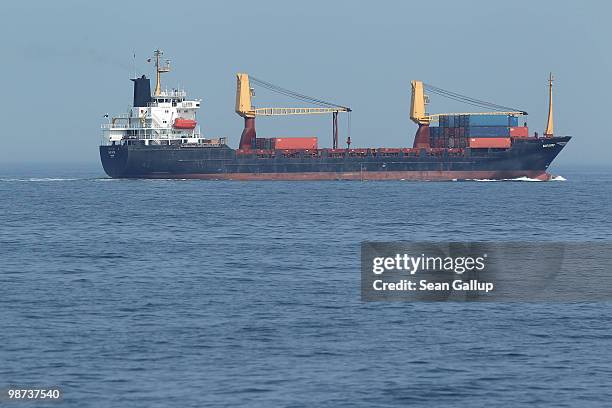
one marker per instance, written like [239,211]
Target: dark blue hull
[526,158]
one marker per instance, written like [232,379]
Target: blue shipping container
[514,121]
[488,131]
[489,120]
[449,121]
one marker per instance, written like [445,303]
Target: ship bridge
[173,96]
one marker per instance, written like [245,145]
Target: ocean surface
[135,293]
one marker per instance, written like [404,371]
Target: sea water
[158,293]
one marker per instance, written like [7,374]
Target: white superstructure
[167,117]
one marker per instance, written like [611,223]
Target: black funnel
[142,91]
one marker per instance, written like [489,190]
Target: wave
[524,178]
[36,179]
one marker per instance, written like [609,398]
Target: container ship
[160,137]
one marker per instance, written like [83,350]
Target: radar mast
[159,69]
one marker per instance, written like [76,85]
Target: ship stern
[114,160]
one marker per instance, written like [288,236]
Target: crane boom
[435,115]
[244,106]
[296,111]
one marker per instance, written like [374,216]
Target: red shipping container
[492,142]
[295,143]
[521,131]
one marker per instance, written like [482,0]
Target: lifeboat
[180,123]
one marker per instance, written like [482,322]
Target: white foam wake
[35,179]
[524,178]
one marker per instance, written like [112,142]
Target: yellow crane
[419,101]
[245,108]
[419,115]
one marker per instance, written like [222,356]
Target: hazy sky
[67,63]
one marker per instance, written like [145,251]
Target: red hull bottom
[370,175]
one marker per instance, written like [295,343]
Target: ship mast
[159,69]
[549,125]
